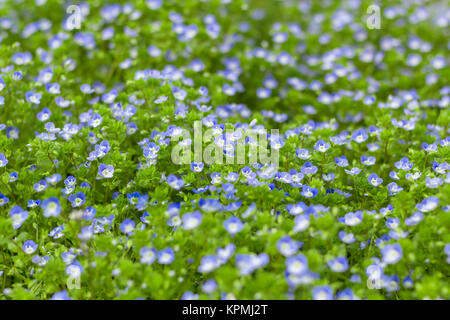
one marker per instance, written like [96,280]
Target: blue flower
[414,219]
[303,154]
[360,135]
[77,199]
[106,171]
[127,226]
[346,294]
[61,295]
[225,253]
[374,180]
[18,215]
[297,208]
[3,160]
[32,97]
[166,256]
[208,264]
[433,182]
[428,204]
[368,161]
[338,264]
[309,192]
[308,168]
[70,181]
[404,164]
[51,207]
[148,255]
[353,171]
[321,146]
[3,199]
[394,188]
[391,253]
[297,264]
[209,286]
[341,161]
[175,182]
[74,270]
[301,222]
[40,186]
[347,238]
[56,233]
[322,293]
[352,218]
[288,247]
[192,220]
[233,225]
[68,257]
[44,115]
[89,213]
[13,176]
[197,166]
[209,205]
[29,247]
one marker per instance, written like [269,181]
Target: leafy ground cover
[95,99]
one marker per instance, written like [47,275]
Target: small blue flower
[347,238]
[414,219]
[374,179]
[309,192]
[77,199]
[3,199]
[208,264]
[322,293]
[106,171]
[352,218]
[302,222]
[287,246]
[192,220]
[13,176]
[148,255]
[297,264]
[197,166]
[209,286]
[209,205]
[18,215]
[404,164]
[353,171]
[3,160]
[433,182]
[233,225]
[60,295]
[74,270]
[321,146]
[394,188]
[428,204]
[303,154]
[308,168]
[391,253]
[368,161]
[297,208]
[29,247]
[338,264]
[70,181]
[127,226]
[51,207]
[175,182]
[341,161]
[166,256]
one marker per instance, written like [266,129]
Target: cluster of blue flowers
[357,206]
